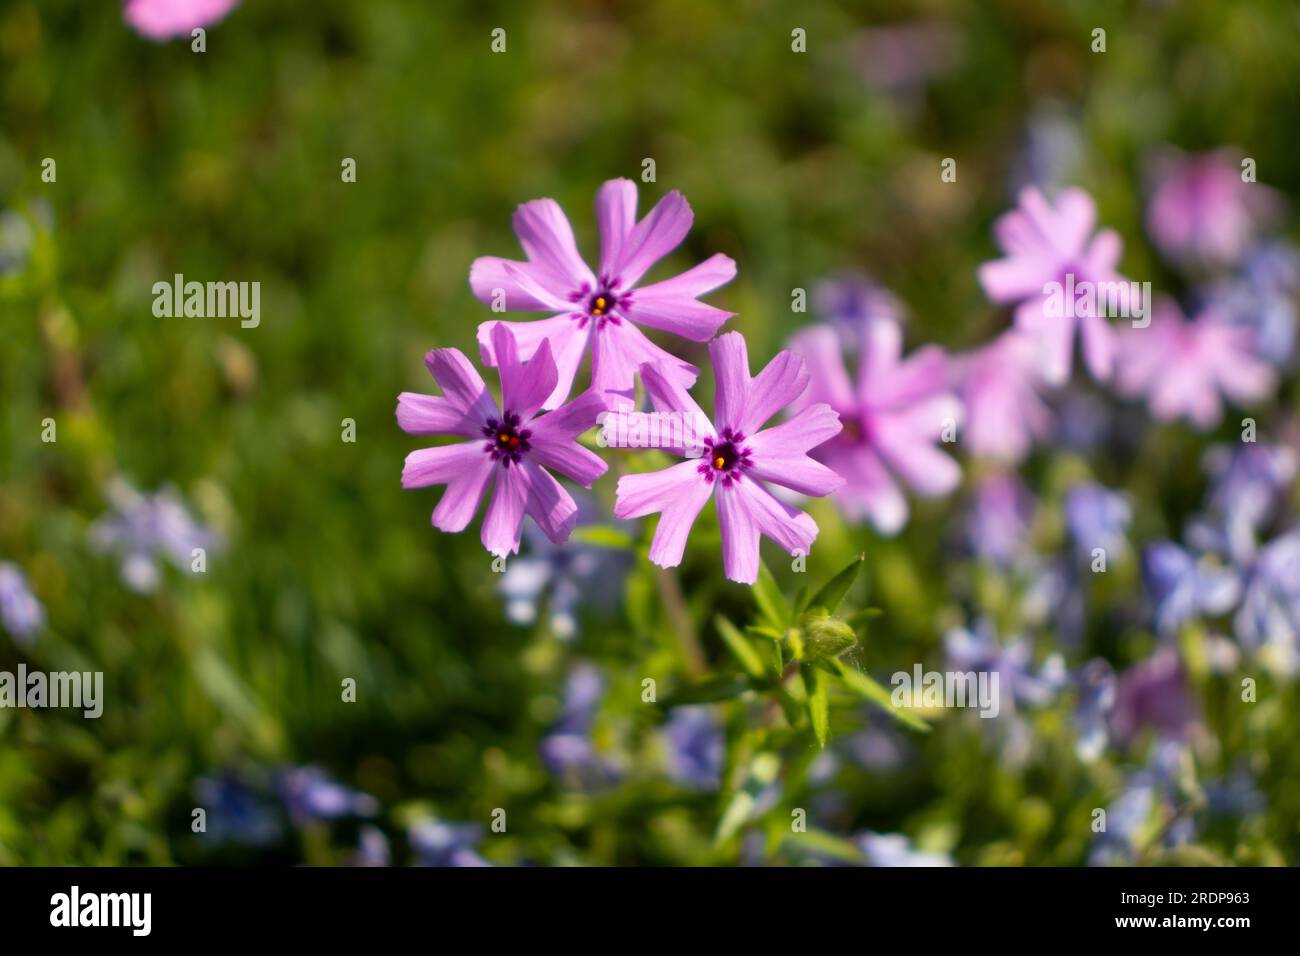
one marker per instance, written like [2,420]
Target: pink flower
[1201,211]
[999,389]
[604,310]
[518,450]
[738,458]
[164,19]
[1182,367]
[892,416]
[1045,243]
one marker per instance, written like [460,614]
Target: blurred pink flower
[1183,367]
[603,310]
[518,450]
[739,456]
[164,19]
[1201,210]
[998,385]
[1044,243]
[892,416]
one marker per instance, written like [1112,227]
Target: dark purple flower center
[725,457]
[857,429]
[599,305]
[507,442]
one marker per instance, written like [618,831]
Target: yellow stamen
[719,462]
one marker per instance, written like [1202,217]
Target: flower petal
[619,351]
[671,305]
[780,453]
[568,345]
[740,534]
[547,238]
[464,468]
[782,381]
[554,439]
[823,354]
[731,374]
[505,515]
[419,414]
[553,508]
[677,493]
[460,382]
[511,285]
[789,527]
[523,386]
[658,234]
[616,217]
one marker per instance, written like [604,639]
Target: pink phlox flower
[740,458]
[999,387]
[607,309]
[164,19]
[511,444]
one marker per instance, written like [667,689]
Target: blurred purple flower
[20,612]
[143,530]
[445,844]
[1154,694]
[1201,211]
[1183,587]
[998,520]
[1146,803]
[1021,681]
[1182,367]
[164,19]
[850,302]
[568,751]
[998,385]
[1049,157]
[1096,517]
[1261,297]
[1250,481]
[894,849]
[696,747]
[310,795]
[235,812]
[901,59]
[1044,243]
[892,418]
[1096,686]
[563,577]
[372,848]
[1268,620]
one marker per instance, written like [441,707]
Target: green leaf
[801,600]
[739,646]
[707,692]
[833,591]
[819,703]
[770,600]
[602,537]
[867,687]
[827,844]
[771,634]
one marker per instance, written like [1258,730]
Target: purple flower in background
[1136,816]
[894,849]
[1045,243]
[164,19]
[20,613]
[1261,297]
[311,795]
[1154,694]
[892,416]
[998,385]
[604,310]
[1183,587]
[696,748]
[1020,680]
[144,529]
[562,576]
[1249,481]
[445,844]
[372,848]
[852,301]
[1096,517]
[235,812]
[901,59]
[739,456]
[508,444]
[1201,211]
[1268,620]
[999,517]
[568,751]
[1183,367]
[1096,684]
[1050,157]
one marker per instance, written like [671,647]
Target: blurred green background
[226,165]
